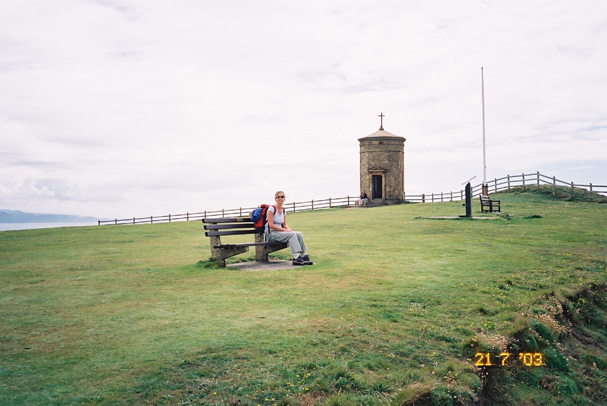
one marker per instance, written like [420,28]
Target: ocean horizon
[33,226]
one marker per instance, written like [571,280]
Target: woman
[278,230]
[363,199]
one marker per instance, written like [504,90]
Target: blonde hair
[277,193]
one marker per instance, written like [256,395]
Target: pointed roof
[381,133]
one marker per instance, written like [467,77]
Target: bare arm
[284,225]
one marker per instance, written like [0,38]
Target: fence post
[205,214]
[169,218]
[591,187]
[451,198]
[554,186]
[116,222]
[508,182]
[187,216]
[98,222]
[151,219]
[223,213]
[348,201]
[423,198]
[538,181]
[495,185]
[293,207]
[524,182]
[133,220]
[312,204]
[441,197]
[572,189]
[329,202]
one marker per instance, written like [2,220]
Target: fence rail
[526,181]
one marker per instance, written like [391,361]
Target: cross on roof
[381,124]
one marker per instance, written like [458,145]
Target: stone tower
[382,167]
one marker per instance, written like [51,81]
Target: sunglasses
[280,197]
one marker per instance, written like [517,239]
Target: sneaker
[307,259]
[299,261]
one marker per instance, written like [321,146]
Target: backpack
[259,216]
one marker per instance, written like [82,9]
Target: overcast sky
[122,108]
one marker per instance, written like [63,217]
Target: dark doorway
[377,186]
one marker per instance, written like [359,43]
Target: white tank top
[279,218]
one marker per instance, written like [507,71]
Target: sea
[32,226]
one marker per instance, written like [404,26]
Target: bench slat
[227,220]
[228,226]
[236,232]
[248,244]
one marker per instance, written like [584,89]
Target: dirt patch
[272,265]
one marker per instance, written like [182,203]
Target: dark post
[468,201]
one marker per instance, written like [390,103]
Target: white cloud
[148,107]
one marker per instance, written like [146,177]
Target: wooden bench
[490,205]
[219,227]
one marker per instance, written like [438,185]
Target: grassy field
[393,312]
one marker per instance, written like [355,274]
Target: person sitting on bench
[363,200]
[278,230]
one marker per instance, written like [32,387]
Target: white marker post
[485,187]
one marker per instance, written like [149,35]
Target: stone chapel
[382,166]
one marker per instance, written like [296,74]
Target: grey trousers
[294,238]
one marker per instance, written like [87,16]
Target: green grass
[393,311]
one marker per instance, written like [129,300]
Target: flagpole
[485,188]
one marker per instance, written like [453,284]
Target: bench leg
[220,254]
[262,251]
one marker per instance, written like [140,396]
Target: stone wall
[383,156]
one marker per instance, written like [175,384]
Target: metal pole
[485,188]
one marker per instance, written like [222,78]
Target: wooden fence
[239,212]
[526,181]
